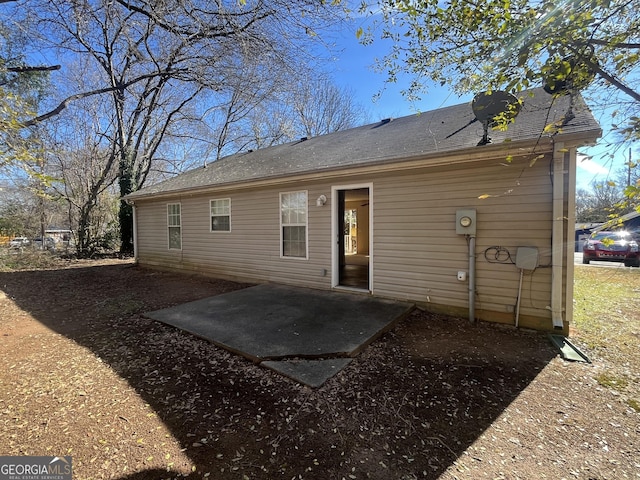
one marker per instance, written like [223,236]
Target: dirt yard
[83,373]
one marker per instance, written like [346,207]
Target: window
[293,222]
[221,215]
[174,226]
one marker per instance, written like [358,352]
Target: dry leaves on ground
[83,373]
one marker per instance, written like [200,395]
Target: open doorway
[352,257]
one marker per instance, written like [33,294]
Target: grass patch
[607,308]
[610,381]
[606,320]
[122,305]
[27,259]
[634,404]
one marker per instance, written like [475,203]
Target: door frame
[337,237]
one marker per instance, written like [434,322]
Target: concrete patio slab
[309,372]
[280,324]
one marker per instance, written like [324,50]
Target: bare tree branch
[249,18]
[177,52]
[613,44]
[28,68]
[80,96]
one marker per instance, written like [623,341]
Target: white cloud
[586,163]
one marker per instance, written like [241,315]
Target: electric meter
[466,222]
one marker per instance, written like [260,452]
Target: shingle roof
[445,130]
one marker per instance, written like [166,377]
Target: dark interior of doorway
[353,218]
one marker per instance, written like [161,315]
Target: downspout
[135,232]
[570,234]
[557,239]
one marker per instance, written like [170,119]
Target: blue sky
[353,69]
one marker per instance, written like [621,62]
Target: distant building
[629,222]
[583,230]
[60,235]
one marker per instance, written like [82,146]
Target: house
[629,222]
[429,208]
[61,236]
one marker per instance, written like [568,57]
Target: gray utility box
[527,258]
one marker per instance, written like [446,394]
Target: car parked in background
[610,246]
[19,242]
[49,243]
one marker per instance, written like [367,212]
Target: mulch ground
[84,373]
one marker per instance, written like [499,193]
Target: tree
[17,214]
[251,93]
[629,180]
[156,61]
[599,204]
[13,149]
[475,46]
[21,206]
[320,107]
[22,87]
[85,172]
[493,44]
[287,111]
[513,45]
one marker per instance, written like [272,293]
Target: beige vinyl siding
[417,253]
[251,250]
[152,220]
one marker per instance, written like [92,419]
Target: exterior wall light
[322,199]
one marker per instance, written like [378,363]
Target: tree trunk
[82,242]
[125,215]
[126,228]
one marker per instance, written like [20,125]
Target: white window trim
[168,226]
[211,216]
[305,224]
